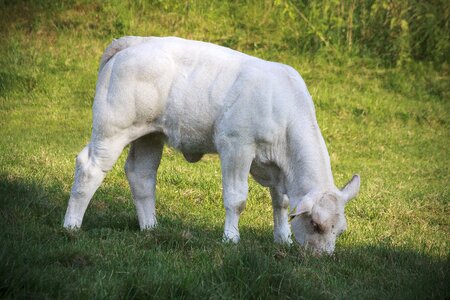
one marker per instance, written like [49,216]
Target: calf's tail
[118,45]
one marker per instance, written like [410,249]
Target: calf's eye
[316,227]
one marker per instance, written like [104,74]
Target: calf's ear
[351,189]
[303,207]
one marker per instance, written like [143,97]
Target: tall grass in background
[395,31]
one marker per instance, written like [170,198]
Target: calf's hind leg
[141,168]
[92,164]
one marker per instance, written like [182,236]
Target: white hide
[203,98]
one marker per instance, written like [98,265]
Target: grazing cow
[202,98]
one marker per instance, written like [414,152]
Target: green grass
[389,125]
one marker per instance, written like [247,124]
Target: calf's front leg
[235,162]
[281,228]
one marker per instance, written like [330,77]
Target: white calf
[202,98]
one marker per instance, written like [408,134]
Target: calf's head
[319,217]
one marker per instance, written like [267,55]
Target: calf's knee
[237,207]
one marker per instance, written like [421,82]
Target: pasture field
[389,122]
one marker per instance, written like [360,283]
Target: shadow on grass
[111,258]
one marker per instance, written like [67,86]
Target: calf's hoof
[230,239]
[72,224]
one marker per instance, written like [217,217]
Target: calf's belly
[192,139]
